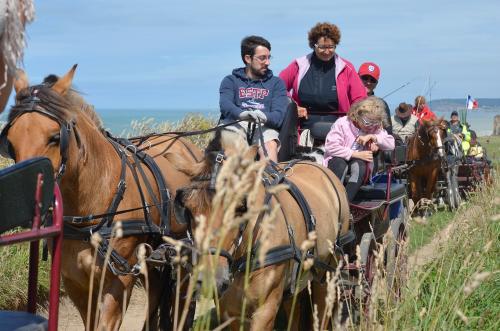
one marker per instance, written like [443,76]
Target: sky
[173,54]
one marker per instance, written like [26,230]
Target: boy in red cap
[369,73]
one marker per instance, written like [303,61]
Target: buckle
[219,158]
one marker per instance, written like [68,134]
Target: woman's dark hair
[250,43]
[327,30]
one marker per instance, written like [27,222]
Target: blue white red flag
[471,103]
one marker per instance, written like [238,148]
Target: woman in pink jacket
[322,82]
[353,139]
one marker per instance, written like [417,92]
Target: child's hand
[363,155]
[362,140]
[374,147]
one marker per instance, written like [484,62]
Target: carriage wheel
[397,260]
[456,193]
[450,191]
[367,248]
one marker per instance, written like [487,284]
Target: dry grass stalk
[476,280]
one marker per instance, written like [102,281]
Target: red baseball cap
[370,69]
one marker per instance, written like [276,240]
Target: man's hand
[363,155]
[302,112]
[258,116]
[245,115]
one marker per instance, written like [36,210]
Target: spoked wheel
[367,248]
[450,190]
[397,261]
[454,182]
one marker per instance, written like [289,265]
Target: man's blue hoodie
[239,93]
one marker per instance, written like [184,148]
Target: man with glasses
[253,94]
[369,73]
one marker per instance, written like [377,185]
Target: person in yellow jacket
[460,131]
[476,150]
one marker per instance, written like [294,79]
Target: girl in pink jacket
[353,139]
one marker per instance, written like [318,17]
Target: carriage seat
[397,156]
[319,130]
[378,191]
[22,191]
[17,188]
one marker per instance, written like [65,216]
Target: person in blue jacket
[253,94]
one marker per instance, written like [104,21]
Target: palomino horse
[425,153]
[13,17]
[99,176]
[314,201]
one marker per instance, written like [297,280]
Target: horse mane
[49,100]
[75,98]
[201,178]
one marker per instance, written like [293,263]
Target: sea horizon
[119,120]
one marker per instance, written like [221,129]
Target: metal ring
[287,168]
[131,148]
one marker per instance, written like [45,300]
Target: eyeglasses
[370,79]
[263,58]
[369,123]
[324,47]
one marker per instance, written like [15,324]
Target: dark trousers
[356,168]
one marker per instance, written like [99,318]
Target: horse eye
[55,139]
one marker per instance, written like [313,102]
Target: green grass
[492,146]
[14,277]
[422,232]
[436,296]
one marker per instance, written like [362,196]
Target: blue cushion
[22,321]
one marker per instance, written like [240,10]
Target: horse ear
[63,84]
[21,80]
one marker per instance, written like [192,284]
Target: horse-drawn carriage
[77,144]
[379,218]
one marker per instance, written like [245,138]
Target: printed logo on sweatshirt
[253,92]
[250,104]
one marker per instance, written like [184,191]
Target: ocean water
[119,120]
[480,121]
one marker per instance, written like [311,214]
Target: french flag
[471,103]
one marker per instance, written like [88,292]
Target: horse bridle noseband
[33,102]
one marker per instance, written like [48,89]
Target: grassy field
[459,289]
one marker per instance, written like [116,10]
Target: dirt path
[432,250]
[69,318]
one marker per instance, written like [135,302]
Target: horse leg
[295,320]
[414,187]
[113,294]
[154,297]
[264,316]
[263,296]
[431,183]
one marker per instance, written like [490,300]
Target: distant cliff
[448,105]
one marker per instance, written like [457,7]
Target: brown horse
[425,153]
[13,17]
[242,214]
[55,122]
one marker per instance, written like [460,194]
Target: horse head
[215,203]
[433,134]
[43,122]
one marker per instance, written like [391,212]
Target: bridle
[423,140]
[33,104]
